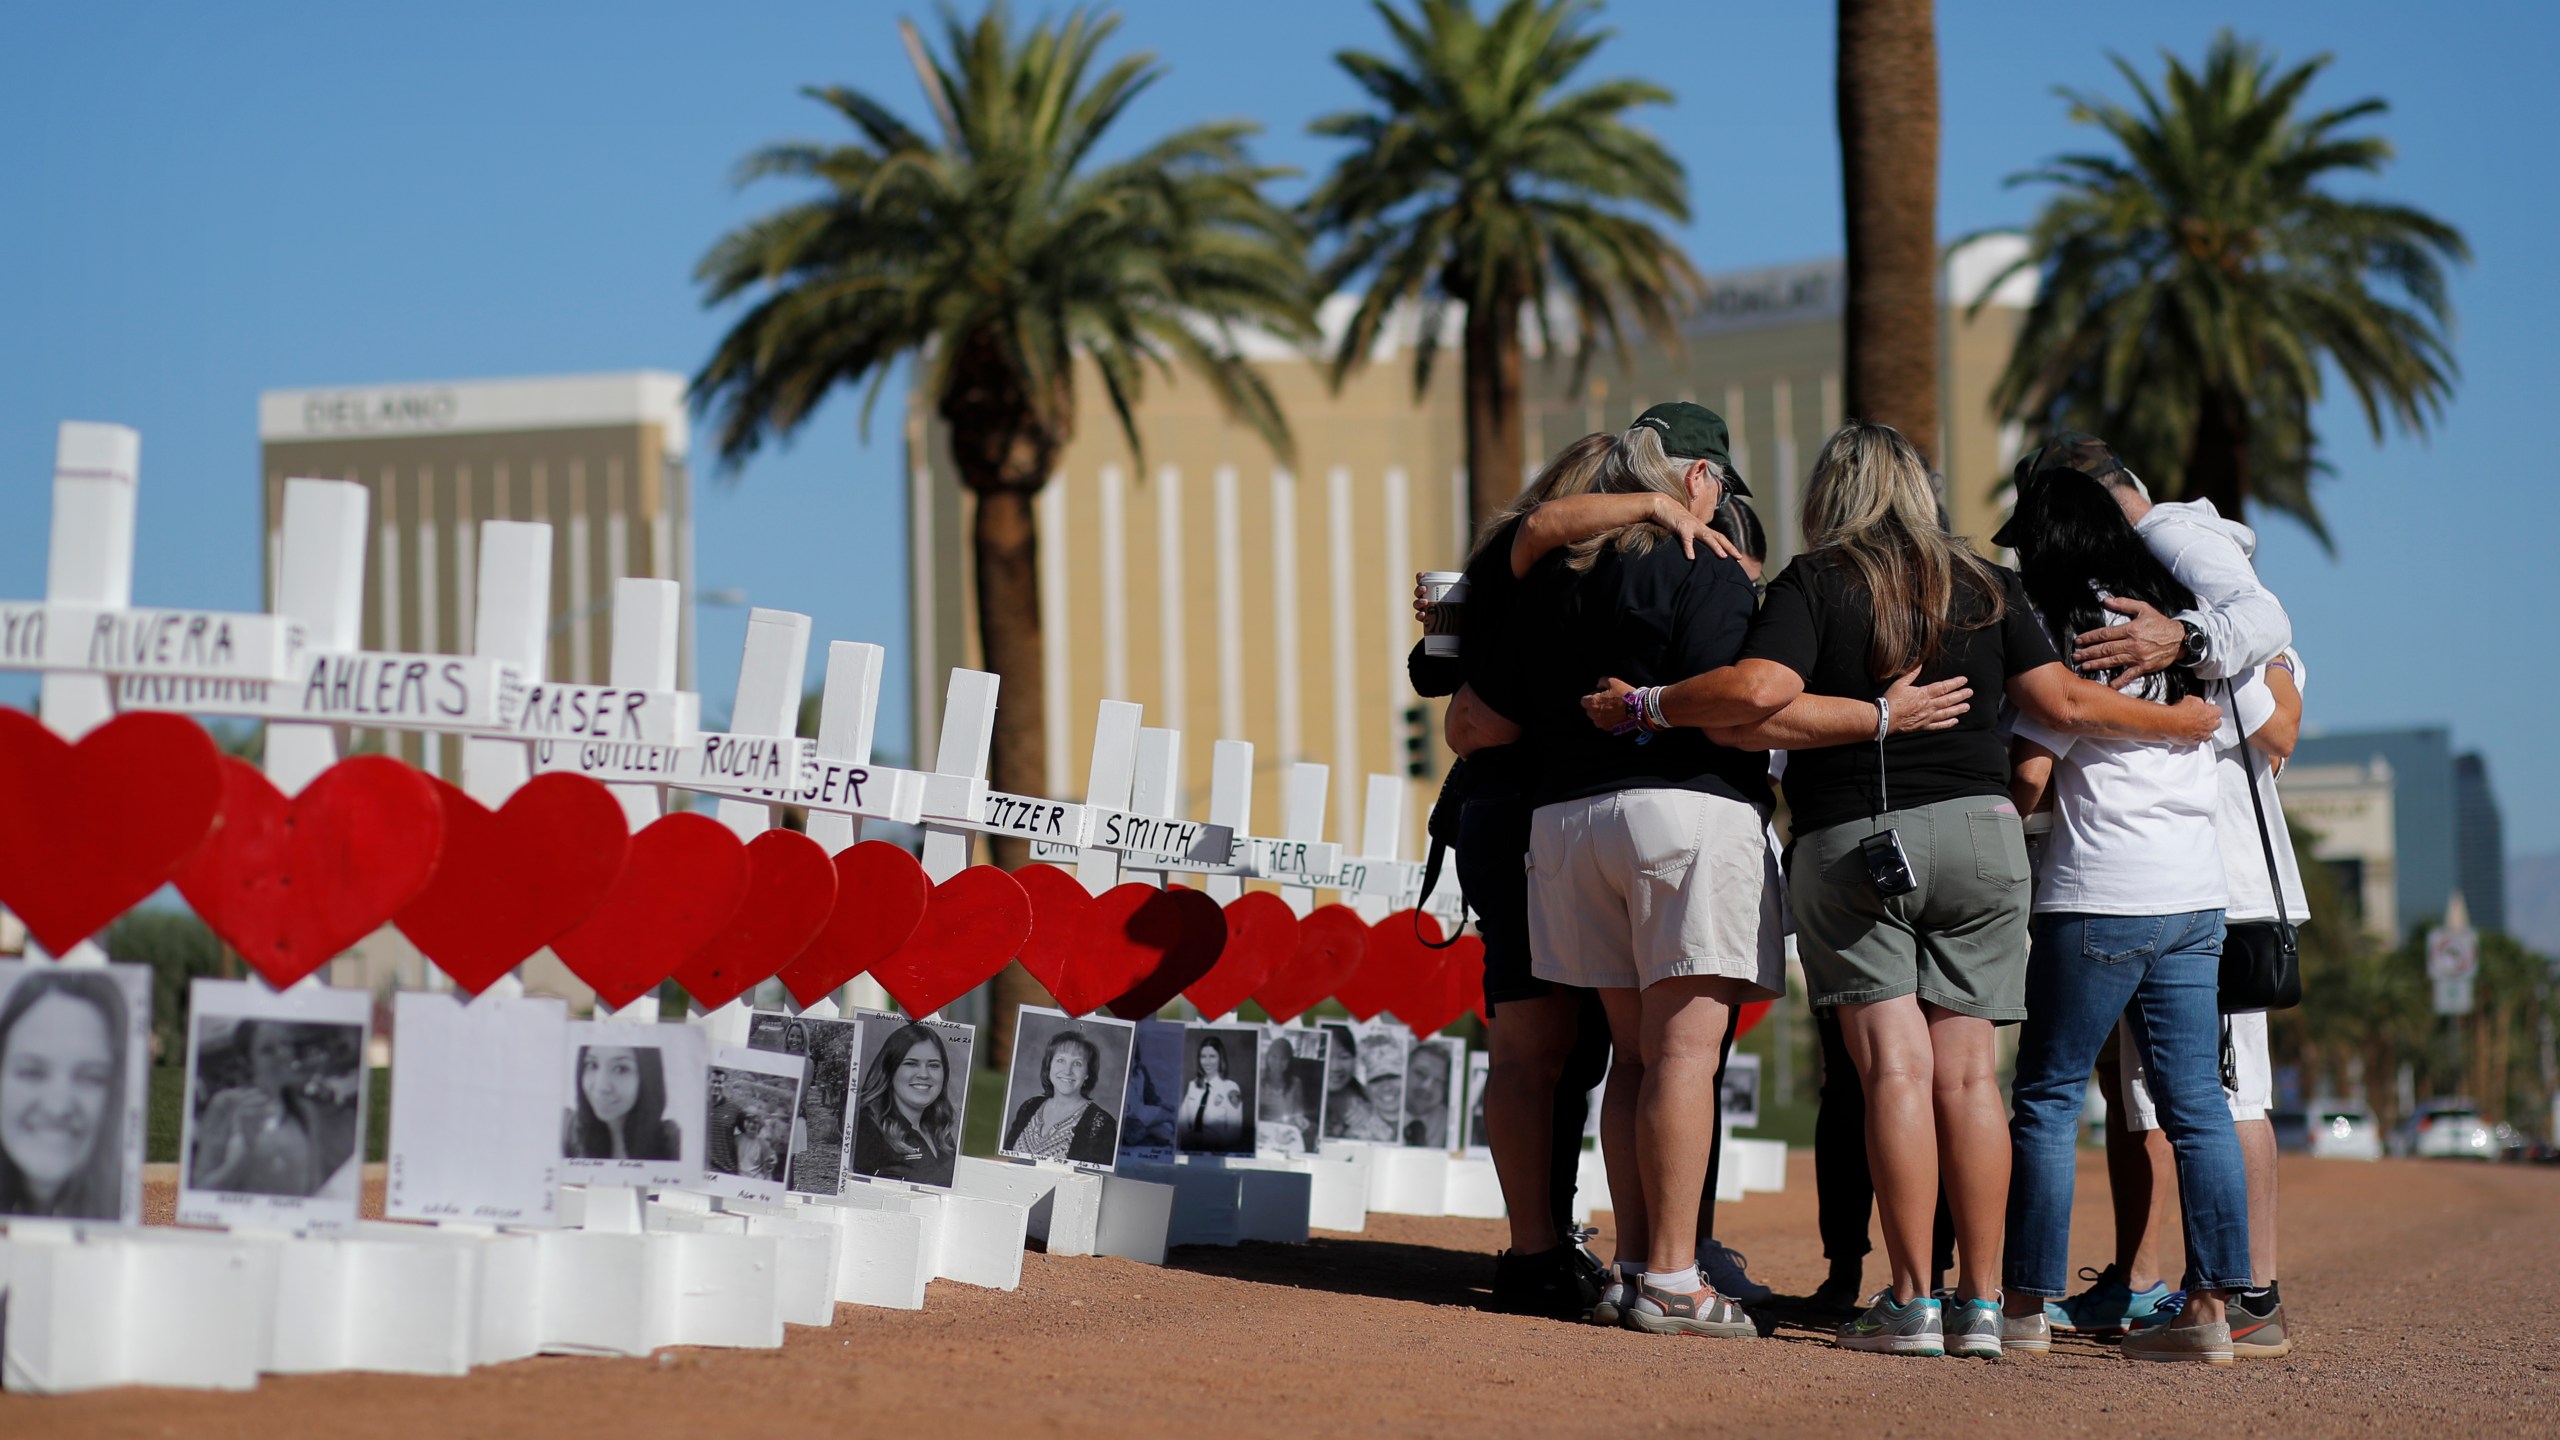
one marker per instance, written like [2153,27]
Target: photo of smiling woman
[1069,1079]
[619,1110]
[914,1089]
[68,1061]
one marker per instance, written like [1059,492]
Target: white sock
[1679,1282]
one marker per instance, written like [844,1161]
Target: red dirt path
[2425,1293]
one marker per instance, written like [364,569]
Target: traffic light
[1417,741]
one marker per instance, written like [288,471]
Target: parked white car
[2450,1131]
[2342,1134]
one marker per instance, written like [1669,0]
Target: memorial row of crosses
[559,1163]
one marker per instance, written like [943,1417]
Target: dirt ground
[2424,1293]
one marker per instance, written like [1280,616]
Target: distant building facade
[2405,822]
[1237,598]
[602,458]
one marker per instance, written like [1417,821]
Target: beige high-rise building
[599,457]
[1237,598]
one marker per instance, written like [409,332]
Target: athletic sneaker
[2255,1336]
[2171,1306]
[1891,1328]
[2108,1306]
[1614,1299]
[1724,1270]
[1976,1331]
[1657,1311]
[2195,1344]
[2031,1333]
[1548,1283]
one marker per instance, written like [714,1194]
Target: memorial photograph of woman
[69,1112]
[1216,1114]
[913,1092]
[276,1106]
[619,1109]
[1068,1080]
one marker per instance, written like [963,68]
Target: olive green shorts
[1958,942]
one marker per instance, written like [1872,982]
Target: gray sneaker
[2033,1333]
[1657,1311]
[1891,1328]
[2195,1344]
[1976,1330]
[1615,1297]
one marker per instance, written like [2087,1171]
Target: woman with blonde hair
[1908,870]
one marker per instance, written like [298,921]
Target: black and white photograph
[1740,1084]
[751,1097]
[476,1091]
[75,1051]
[1155,1090]
[1220,1075]
[822,1133]
[1434,1070]
[275,1105]
[1364,1079]
[1479,1065]
[1288,1106]
[636,1103]
[912,1092]
[1069,1079]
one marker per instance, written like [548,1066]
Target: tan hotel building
[599,457]
[1234,598]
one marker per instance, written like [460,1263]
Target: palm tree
[1477,180]
[1001,256]
[2194,284]
[1886,87]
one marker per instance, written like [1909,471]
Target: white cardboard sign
[274,1134]
[463,693]
[750,766]
[752,1097]
[476,1093]
[108,640]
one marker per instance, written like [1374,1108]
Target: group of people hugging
[2010,797]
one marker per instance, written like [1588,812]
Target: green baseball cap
[2072,450]
[1691,431]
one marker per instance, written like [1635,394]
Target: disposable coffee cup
[1444,597]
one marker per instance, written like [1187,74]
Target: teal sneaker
[1890,1328]
[2108,1306]
[1976,1330]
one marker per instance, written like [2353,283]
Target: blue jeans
[2161,974]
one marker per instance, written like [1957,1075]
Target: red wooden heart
[682,879]
[1332,942]
[290,883]
[1400,973]
[791,890]
[974,924]
[1262,935]
[1083,948]
[88,831]
[1753,1014]
[512,879]
[1464,969]
[1191,930]
[880,895]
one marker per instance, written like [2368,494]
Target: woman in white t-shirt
[2128,922]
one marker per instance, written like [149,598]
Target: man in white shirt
[2237,630]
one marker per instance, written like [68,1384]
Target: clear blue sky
[207,201]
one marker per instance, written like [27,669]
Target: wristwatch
[2191,650]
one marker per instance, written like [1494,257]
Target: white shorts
[2249,1065]
[1637,886]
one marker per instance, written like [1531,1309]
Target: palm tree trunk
[1495,445]
[1007,541]
[2218,464]
[1887,81]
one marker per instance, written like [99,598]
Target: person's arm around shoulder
[2239,623]
[2055,697]
[1811,722]
[1558,523]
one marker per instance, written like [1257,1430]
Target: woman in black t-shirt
[1908,869]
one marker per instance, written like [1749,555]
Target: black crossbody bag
[2261,959]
